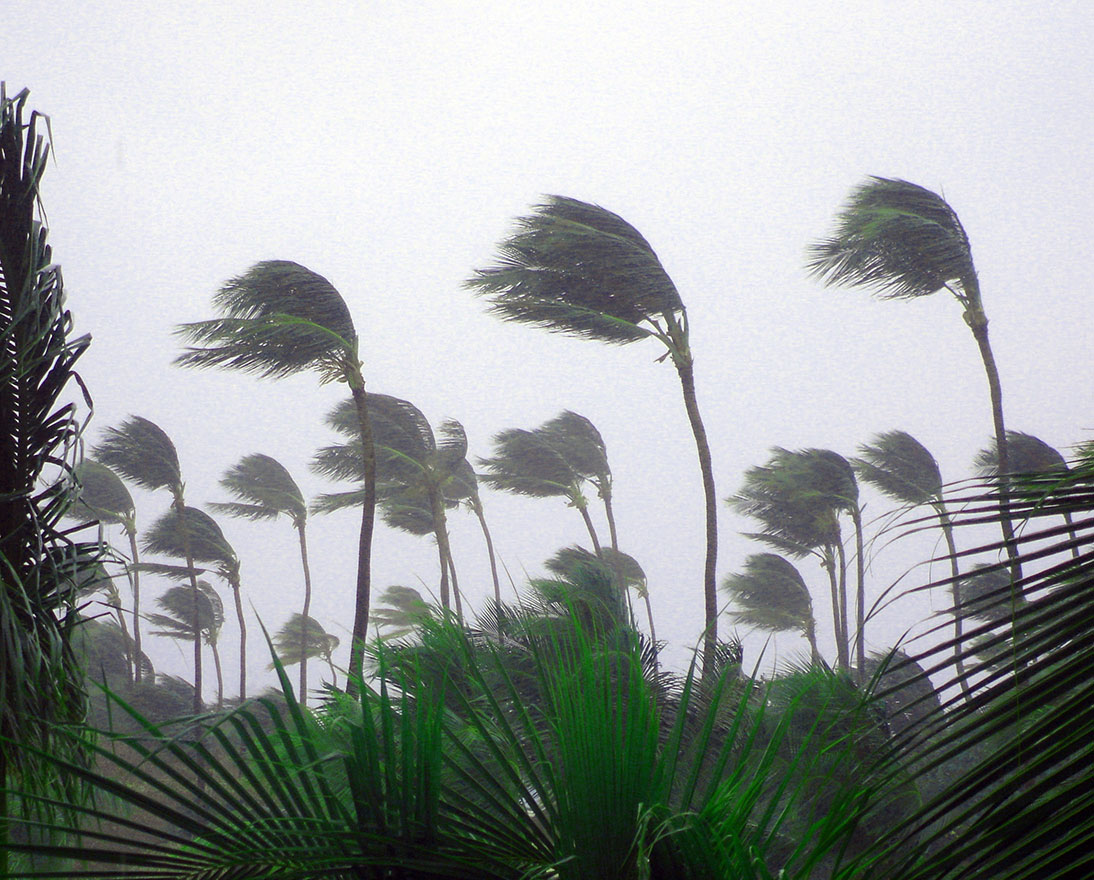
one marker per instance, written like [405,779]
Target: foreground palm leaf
[280,318]
[573,267]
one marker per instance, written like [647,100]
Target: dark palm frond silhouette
[177,621]
[302,638]
[770,594]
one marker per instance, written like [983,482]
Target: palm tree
[141,451]
[303,637]
[401,611]
[904,469]
[904,241]
[798,498]
[772,596]
[414,473]
[104,497]
[194,535]
[265,490]
[178,622]
[629,574]
[278,319]
[572,267]
[465,487]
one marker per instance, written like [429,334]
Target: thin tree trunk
[455,584]
[136,583]
[828,562]
[584,511]
[649,616]
[180,509]
[476,506]
[860,594]
[845,626]
[220,674]
[811,637]
[684,368]
[303,695]
[606,495]
[242,638]
[440,532]
[364,547]
[958,610]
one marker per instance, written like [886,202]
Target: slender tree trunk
[860,594]
[455,584]
[958,610]
[236,594]
[684,368]
[845,626]
[584,511]
[440,532]
[364,547]
[609,513]
[303,695]
[649,616]
[136,583]
[180,509]
[828,562]
[476,506]
[220,674]
[811,637]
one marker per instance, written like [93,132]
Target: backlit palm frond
[102,496]
[898,238]
[452,450]
[400,611]
[409,513]
[329,502]
[141,451]
[900,466]
[265,490]
[575,268]
[178,620]
[524,463]
[277,319]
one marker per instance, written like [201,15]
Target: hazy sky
[389,146]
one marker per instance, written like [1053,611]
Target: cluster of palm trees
[543,739]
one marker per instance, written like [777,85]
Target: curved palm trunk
[476,506]
[455,585]
[860,595]
[958,612]
[440,533]
[220,674]
[828,563]
[811,637]
[710,587]
[236,595]
[649,616]
[609,514]
[180,508]
[364,547]
[845,628]
[303,695]
[136,584]
[583,509]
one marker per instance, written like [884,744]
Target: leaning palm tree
[278,319]
[904,469]
[465,487]
[401,612]
[265,490]
[104,497]
[904,241]
[303,637]
[771,595]
[178,622]
[572,267]
[141,451]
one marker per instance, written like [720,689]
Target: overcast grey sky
[389,146]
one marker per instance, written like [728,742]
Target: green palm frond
[207,542]
[265,490]
[102,496]
[141,451]
[525,463]
[770,594]
[898,238]
[900,466]
[300,638]
[278,318]
[579,442]
[575,268]
[1026,454]
[177,621]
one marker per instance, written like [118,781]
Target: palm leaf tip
[277,319]
[575,268]
[898,238]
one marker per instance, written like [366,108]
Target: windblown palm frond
[141,451]
[207,541]
[771,595]
[901,467]
[900,239]
[302,638]
[525,463]
[1026,454]
[401,610]
[103,496]
[177,621]
[265,490]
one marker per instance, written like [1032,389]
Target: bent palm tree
[266,490]
[178,622]
[772,596]
[905,241]
[575,268]
[904,469]
[303,637]
[279,319]
[141,451]
[465,488]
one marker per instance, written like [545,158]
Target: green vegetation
[541,738]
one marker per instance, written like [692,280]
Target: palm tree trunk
[609,513]
[649,616]
[476,506]
[828,562]
[136,582]
[303,695]
[845,628]
[584,511]
[860,597]
[180,508]
[236,591]
[220,674]
[811,637]
[958,612]
[455,584]
[685,369]
[440,532]
[364,547]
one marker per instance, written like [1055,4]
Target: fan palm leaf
[277,319]
[575,268]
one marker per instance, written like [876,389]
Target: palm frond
[526,464]
[900,466]
[770,594]
[579,442]
[573,267]
[264,489]
[1026,454]
[898,238]
[177,621]
[303,637]
[140,451]
[102,496]
[206,541]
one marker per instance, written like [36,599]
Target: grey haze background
[389,146]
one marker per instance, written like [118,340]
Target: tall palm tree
[798,498]
[178,622]
[414,473]
[104,497]
[771,595]
[573,267]
[141,451]
[303,637]
[265,490]
[277,319]
[194,535]
[904,241]
[904,469]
